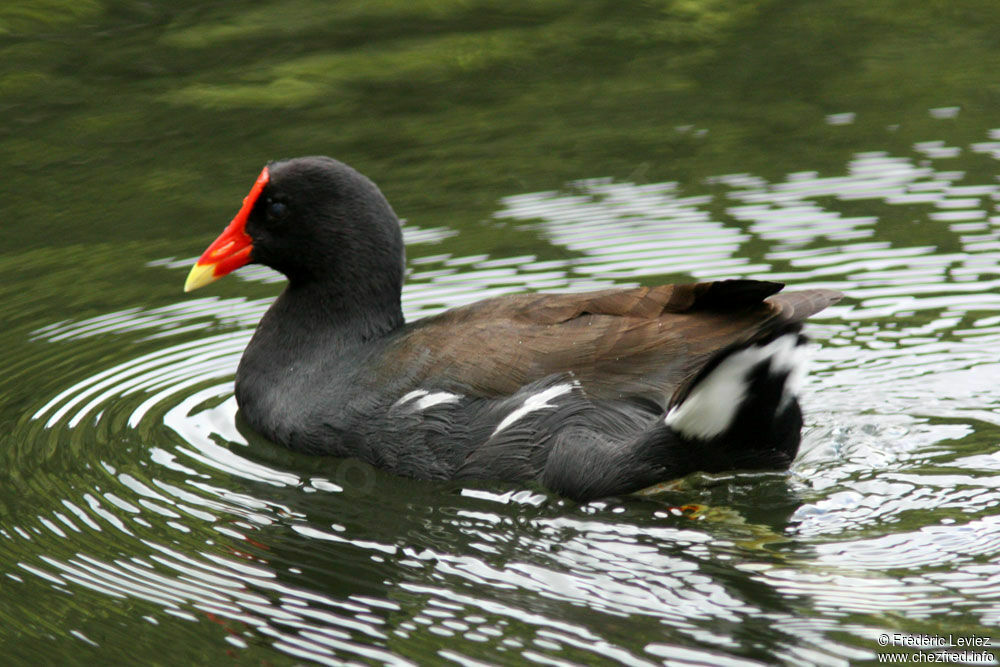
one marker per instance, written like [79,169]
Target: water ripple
[165,501]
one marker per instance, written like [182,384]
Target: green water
[529,146]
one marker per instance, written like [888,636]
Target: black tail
[739,412]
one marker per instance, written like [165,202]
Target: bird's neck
[307,314]
[306,343]
[309,331]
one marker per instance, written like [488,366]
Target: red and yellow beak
[232,249]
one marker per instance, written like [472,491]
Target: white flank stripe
[538,401]
[416,393]
[426,399]
[437,398]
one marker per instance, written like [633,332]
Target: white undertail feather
[710,408]
[796,362]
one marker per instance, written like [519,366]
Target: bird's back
[640,343]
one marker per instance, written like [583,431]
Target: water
[546,146]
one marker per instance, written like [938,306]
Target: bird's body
[590,394]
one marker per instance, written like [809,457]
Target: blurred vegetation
[141,121]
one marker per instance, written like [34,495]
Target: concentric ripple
[166,512]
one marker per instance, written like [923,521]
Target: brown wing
[634,342]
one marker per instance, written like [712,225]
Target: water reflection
[625,230]
[888,512]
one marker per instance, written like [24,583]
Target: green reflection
[132,130]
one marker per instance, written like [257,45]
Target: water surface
[544,146]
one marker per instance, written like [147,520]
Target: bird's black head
[325,226]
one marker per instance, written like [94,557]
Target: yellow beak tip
[201,275]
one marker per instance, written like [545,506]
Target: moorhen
[591,394]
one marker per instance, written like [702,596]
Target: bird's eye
[276,210]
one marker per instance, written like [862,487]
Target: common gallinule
[591,394]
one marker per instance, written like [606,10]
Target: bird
[588,395]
